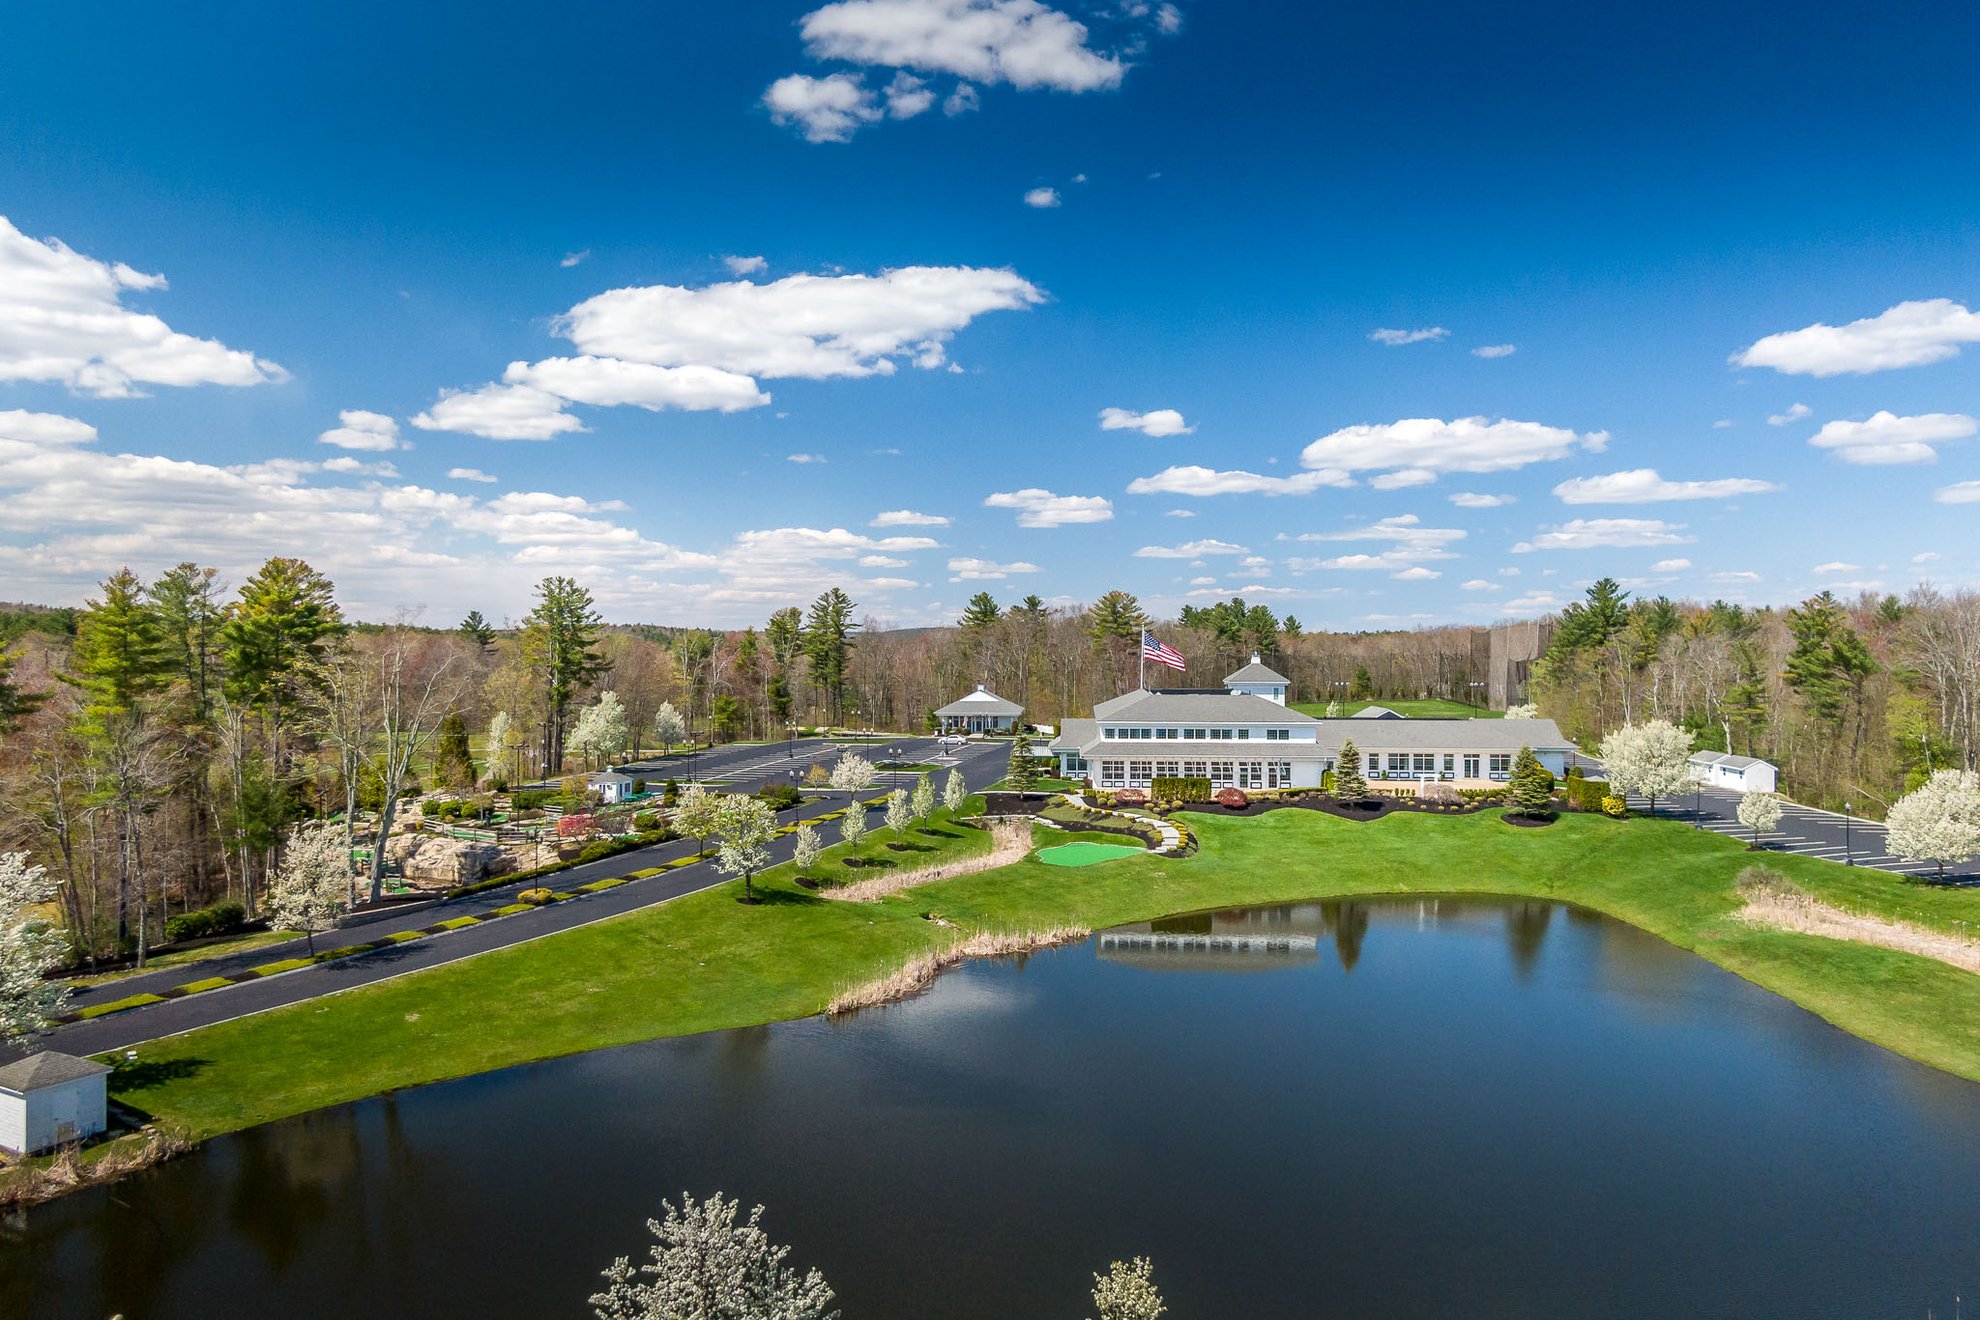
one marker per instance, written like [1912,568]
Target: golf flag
[1160,654]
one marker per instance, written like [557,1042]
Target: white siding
[51,1115]
[13,1123]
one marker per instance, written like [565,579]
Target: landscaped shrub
[1183,788]
[1615,806]
[1234,798]
[1586,794]
[576,825]
[535,897]
[529,799]
[643,821]
[220,919]
[780,796]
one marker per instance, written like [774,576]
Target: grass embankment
[192,953]
[705,962]
[1434,709]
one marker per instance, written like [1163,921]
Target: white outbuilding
[1741,774]
[982,711]
[611,786]
[49,1100]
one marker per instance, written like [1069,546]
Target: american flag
[1160,654]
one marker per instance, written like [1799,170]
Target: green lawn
[253,939]
[1416,710]
[706,962]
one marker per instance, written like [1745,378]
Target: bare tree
[413,689]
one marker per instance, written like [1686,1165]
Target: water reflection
[1258,939]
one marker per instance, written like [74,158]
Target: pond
[1399,1109]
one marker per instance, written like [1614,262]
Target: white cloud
[986,570]
[1202,581]
[1736,576]
[804,458]
[1168,20]
[1885,438]
[1723,424]
[611,382]
[908,96]
[369,431]
[571,259]
[1960,492]
[1021,42]
[1910,334]
[740,266]
[1203,481]
[1180,513]
[1480,584]
[1495,350]
[1404,479]
[1836,566]
[1156,422]
[1416,574]
[1794,414]
[1464,444]
[1670,566]
[63,321]
[1041,508]
[1410,544]
[1465,499]
[908,518]
[470,474]
[809,326]
[1606,533]
[828,109]
[1394,338]
[1192,550]
[881,561]
[1927,556]
[1042,199]
[1644,486]
[499,412]
[961,101]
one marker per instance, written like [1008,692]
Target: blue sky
[367,210]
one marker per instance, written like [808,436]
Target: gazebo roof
[1256,672]
[980,702]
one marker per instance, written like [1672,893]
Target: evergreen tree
[1349,785]
[453,754]
[477,629]
[1362,686]
[981,612]
[186,599]
[1116,617]
[559,638]
[1531,789]
[1829,662]
[1023,773]
[14,703]
[828,634]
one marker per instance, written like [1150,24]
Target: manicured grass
[254,939]
[705,961]
[1417,710]
[1085,853]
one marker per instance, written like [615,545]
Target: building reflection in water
[1260,939]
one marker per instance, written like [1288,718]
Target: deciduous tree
[1127,1292]
[1759,812]
[1651,759]
[310,890]
[600,732]
[954,793]
[809,848]
[744,826]
[1937,822]
[706,1266]
[29,945]
[696,814]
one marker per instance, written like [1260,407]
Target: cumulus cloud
[1180,513]
[1020,42]
[611,382]
[1394,338]
[1404,479]
[1041,508]
[1416,574]
[1410,545]
[1960,492]
[1156,422]
[370,431]
[1464,444]
[1191,550]
[470,474]
[908,518]
[986,570]
[1495,350]
[1606,533]
[1202,481]
[499,412]
[1886,439]
[1466,499]
[907,96]
[63,321]
[828,109]
[1480,584]
[1794,414]
[1670,566]
[1644,486]
[804,458]
[961,101]
[571,259]
[1836,566]
[740,266]
[1042,198]
[1910,334]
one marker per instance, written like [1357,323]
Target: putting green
[1086,854]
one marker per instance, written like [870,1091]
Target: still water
[1440,1108]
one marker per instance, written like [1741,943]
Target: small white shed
[610,786]
[49,1099]
[1741,774]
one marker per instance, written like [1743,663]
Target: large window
[1279,774]
[1278,735]
[1423,763]
[1502,765]
[1112,774]
[1220,774]
[1251,774]
[1075,764]
[1450,765]
[1196,769]
[1471,765]
[1140,772]
[1167,769]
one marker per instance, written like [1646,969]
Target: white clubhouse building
[1244,735]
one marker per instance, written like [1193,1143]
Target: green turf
[704,961]
[1086,854]
[1415,710]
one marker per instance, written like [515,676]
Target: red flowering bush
[1131,797]
[577,825]
[1234,798]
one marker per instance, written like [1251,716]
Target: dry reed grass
[920,972]
[1010,840]
[1778,904]
[31,1184]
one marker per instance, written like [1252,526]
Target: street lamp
[1849,858]
[894,759]
[1697,803]
[790,727]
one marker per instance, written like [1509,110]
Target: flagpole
[1142,684]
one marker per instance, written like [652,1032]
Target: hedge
[1183,788]
[220,919]
[1586,794]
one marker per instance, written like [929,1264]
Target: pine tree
[559,638]
[1023,773]
[1531,789]
[14,703]
[828,634]
[453,754]
[1349,786]
[186,599]
[477,629]
[981,612]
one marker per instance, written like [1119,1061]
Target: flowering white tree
[706,1266]
[669,727]
[600,732]
[954,792]
[505,745]
[922,805]
[900,813]
[1333,710]
[29,945]
[853,774]
[1652,760]
[810,847]
[744,826]
[1939,821]
[1759,812]
[694,815]
[852,827]
[310,890]
[1528,711]
[1127,1292]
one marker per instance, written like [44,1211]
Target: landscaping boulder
[1234,798]
[1439,794]
[435,858]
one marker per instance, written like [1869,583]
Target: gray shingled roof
[1165,708]
[1376,713]
[981,702]
[1484,736]
[46,1069]
[1257,673]
[1727,759]
[1074,734]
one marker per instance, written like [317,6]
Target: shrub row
[220,919]
[1586,794]
[1181,788]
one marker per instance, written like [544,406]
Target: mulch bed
[1374,809]
[1015,804]
[1531,822]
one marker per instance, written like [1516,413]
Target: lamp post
[790,729]
[1849,858]
[690,734]
[1697,803]
[894,761]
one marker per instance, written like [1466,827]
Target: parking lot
[1807,832]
